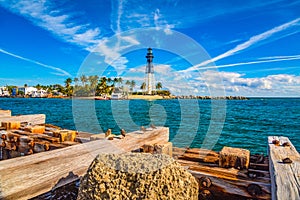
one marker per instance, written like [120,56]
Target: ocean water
[193,123]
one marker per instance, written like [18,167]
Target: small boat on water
[118,94]
[102,98]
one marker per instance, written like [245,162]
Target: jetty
[232,173]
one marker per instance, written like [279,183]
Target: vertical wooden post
[284,164]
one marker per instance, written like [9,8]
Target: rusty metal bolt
[276,142]
[205,194]
[254,189]
[287,161]
[286,144]
[205,182]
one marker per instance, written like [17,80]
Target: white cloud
[236,84]
[260,60]
[41,14]
[253,40]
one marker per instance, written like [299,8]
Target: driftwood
[284,168]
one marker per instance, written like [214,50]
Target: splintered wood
[234,157]
[284,168]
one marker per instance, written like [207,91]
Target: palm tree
[38,87]
[83,79]
[143,86]
[93,80]
[116,80]
[158,85]
[132,85]
[68,82]
[120,80]
[127,83]
[68,87]
[76,80]
[109,80]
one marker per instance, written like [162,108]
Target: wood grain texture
[227,183]
[285,178]
[33,119]
[27,177]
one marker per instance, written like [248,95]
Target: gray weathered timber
[285,177]
[30,176]
[33,119]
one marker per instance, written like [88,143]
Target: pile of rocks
[137,176]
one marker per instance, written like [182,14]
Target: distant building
[27,90]
[14,91]
[39,94]
[4,92]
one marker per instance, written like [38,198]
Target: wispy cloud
[253,40]
[61,25]
[261,60]
[60,71]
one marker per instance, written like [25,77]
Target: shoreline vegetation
[98,88]
[139,97]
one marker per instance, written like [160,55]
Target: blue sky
[247,48]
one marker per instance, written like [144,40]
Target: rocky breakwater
[137,176]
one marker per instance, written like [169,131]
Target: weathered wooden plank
[27,177]
[5,113]
[33,119]
[285,177]
[228,188]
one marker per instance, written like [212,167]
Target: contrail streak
[63,72]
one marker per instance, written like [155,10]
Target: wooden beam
[30,176]
[33,119]
[285,177]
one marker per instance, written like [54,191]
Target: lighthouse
[149,72]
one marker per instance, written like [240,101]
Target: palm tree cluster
[95,86]
[91,86]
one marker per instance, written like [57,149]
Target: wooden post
[284,162]
[234,157]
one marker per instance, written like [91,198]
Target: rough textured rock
[137,176]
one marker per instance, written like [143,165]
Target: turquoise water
[194,123]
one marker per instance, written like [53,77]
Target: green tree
[93,81]
[120,80]
[68,82]
[109,80]
[132,85]
[116,80]
[83,79]
[143,86]
[68,88]
[38,87]
[158,85]
[76,80]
